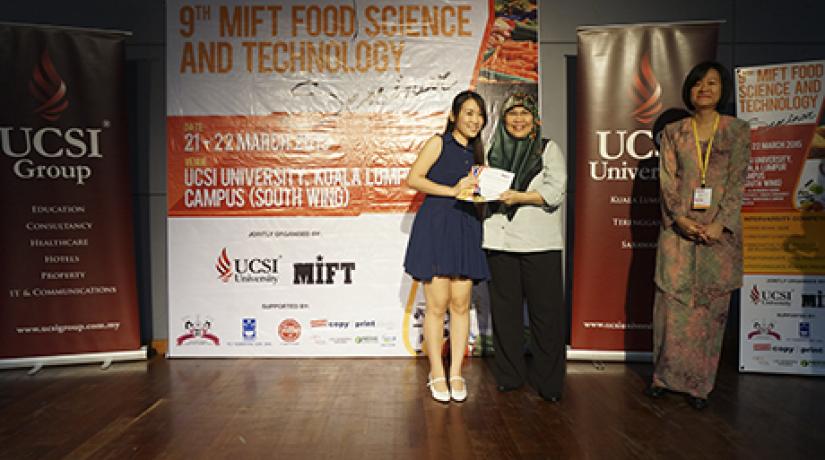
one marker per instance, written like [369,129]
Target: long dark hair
[475,143]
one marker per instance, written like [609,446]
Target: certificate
[492,182]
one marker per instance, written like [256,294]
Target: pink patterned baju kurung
[694,280]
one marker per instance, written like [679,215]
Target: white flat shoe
[440,396]
[458,395]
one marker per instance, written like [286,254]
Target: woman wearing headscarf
[523,238]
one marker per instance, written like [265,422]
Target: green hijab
[521,156]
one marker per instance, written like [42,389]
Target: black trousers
[536,278]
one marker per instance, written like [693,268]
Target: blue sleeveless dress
[445,239]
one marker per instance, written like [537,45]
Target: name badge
[702,197]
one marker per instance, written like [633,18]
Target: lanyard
[703,163]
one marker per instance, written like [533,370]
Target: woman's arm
[674,206]
[417,178]
[730,205]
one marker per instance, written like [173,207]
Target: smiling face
[706,92]
[519,122]
[468,122]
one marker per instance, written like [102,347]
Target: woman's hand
[514,197]
[689,227]
[466,185]
[711,233]
[510,197]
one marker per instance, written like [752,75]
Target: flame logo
[648,93]
[224,267]
[755,294]
[49,89]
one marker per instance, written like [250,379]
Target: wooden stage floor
[379,408]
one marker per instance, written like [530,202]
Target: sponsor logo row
[815,364]
[786,297]
[266,269]
[290,331]
[765,338]
[763,330]
[763,346]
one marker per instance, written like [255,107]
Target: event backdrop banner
[291,128]
[782,327]
[68,268]
[629,78]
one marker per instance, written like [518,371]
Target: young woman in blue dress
[444,251]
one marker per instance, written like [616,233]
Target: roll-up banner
[629,78]
[68,268]
[782,326]
[291,129]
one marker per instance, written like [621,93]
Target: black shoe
[506,388]
[553,398]
[697,403]
[655,391]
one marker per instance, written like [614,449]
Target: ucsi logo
[224,267]
[775,297]
[323,272]
[49,89]
[247,270]
[34,149]
[621,151]
[50,142]
[638,145]
[648,93]
[614,145]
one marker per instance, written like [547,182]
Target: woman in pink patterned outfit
[703,163]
